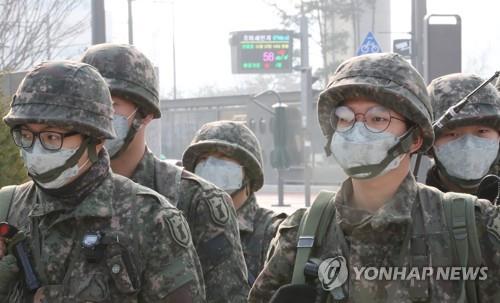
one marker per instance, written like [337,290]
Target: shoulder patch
[219,210]
[179,229]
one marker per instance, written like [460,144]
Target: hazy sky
[202,30]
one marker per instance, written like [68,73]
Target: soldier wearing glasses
[375,114]
[93,236]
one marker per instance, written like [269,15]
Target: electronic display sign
[267,51]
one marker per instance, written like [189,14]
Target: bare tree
[321,15]
[32,30]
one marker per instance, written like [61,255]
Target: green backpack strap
[320,210]
[6,194]
[461,219]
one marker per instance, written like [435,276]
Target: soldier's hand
[39,296]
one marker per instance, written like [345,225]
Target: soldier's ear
[147,119]
[417,142]
[99,145]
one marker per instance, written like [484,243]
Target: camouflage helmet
[387,79]
[483,107]
[64,93]
[128,72]
[233,139]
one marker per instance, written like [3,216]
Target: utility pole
[98,22]
[173,52]
[305,100]
[130,24]
[418,12]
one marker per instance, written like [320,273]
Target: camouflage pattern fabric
[212,219]
[149,253]
[64,93]
[434,179]
[128,72]
[386,78]
[483,107]
[257,228]
[146,254]
[375,239]
[233,139]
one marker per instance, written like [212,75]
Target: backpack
[6,195]
[460,218]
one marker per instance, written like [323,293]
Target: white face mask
[39,160]
[468,157]
[360,147]
[120,124]
[225,174]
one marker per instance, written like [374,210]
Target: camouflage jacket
[213,223]
[257,228]
[147,252]
[376,240]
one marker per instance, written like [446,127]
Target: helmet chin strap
[87,144]
[328,146]
[402,147]
[132,131]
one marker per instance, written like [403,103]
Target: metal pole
[173,51]
[130,24]
[98,22]
[419,10]
[305,99]
[281,187]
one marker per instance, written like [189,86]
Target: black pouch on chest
[122,268]
[116,257]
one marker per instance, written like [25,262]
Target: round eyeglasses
[377,119]
[50,140]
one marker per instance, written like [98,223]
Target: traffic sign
[402,47]
[369,45]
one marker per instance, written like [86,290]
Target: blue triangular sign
[369,45]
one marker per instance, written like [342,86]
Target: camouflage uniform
[483,108]
[376,239]
[209,211]
[257,225]
[147,252]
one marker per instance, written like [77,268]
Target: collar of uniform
[433,179]
[97,204]
[395,210]
[246,214]
[144,173]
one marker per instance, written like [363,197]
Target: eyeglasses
[377,119]
[50,140]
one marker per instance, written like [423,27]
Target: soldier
[134,89]
[465,150]
[375,113]
[229,155]
[94,236]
